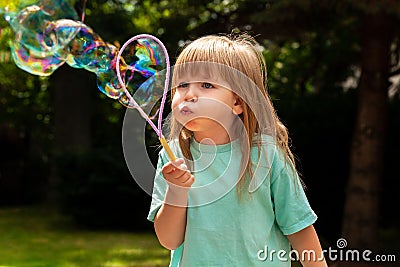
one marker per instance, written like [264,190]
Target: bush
[97,190]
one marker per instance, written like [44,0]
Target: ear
[237,108]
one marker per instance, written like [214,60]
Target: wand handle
[164,143]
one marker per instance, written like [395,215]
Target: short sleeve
[292,209]
[159,189]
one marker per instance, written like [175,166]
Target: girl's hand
[176,173]
[170,220]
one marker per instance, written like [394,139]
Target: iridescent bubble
[47,34]
[87,50]
[11,7]
[38,39]
[32,23]
[59,9]
[37,63]
[58,34]
[29,27]
[143,77]
[108,84]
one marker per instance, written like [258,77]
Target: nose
[191,93]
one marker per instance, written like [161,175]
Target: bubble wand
[133,103]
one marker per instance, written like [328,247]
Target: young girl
[233,196]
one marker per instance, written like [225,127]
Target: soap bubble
[37,63]
[143,76]
[48,34]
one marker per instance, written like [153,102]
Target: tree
[360,222]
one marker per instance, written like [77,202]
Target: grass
[34,237]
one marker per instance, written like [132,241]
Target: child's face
[205,107]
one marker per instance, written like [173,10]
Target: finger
[168,168]
[174,174]
[190,177]
[180,164]
[172,165]
[184,176]
[183,167]
[189,182]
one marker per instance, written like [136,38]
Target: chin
[191,126]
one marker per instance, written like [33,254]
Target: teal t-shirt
[225,228]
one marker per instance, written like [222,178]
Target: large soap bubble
[48,34]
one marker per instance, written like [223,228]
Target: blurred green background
[333,76]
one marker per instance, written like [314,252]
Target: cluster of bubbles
[49,33]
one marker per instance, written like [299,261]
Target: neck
[217,139]
[218,135]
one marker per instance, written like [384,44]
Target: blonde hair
[241,53]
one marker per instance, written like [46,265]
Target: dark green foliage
[98,191]
[96,187]
[320,128]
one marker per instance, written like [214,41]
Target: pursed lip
[185,110]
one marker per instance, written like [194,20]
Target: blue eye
[208,85]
